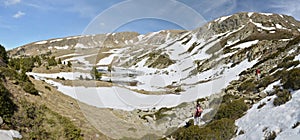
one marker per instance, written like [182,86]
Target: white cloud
[288,7]
[11,2]
[19,14]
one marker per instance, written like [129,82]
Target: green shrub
[287,65]
[7,106]
[223,129]
[229,98]
[267,80]
[291,79]
[158,114]
[29,88]
[21,78]
[283,96]
[3,54]
[233,110]
[39,122]
[288,58]
[247,86]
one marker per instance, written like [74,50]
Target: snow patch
[246,44]
[9,134]
[106,60]
[56,40]
[222,19]
[263,27]
[269,88]
[250,14]
[297,57]
[41,42]
[272,32]
[267,14]
[66,75]
[279,26]
[61,48]
[281,118]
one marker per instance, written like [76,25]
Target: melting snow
[41,42]
[297,57]
[106,60]
[246,44]
[267,14]
[250,14]
[269,88]
[121,98]
[9,134]
[263,27]
[66,75]
[61,48]
[56,40]
[279,119]
[67,55]
[279,26]
[222,19]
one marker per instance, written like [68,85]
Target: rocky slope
[179,67]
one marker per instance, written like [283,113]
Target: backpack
[198,112]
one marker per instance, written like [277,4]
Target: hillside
[149,83]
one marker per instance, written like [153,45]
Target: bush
[287,65]
[39,122]
[7,106]
[247,86]
[267,80]
[288,58]
[233,110]
[3,54]
[291,79]
[223,129]
[283,96]
[229,98]
[52,61]
[29,88]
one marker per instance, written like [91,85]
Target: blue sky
[25,21]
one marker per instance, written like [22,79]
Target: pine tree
[69,64]
[3,54]
[52,61]
[80,77]
[59,61]
[95,74]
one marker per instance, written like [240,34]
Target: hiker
[197,114]
[258,74]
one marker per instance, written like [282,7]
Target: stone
[1,121]
[262,94]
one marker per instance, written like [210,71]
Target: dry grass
[85,83]
[66,106]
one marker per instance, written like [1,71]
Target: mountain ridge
[213,62]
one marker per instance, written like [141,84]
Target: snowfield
[279,119]
[125,99]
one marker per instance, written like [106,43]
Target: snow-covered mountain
[171,67]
